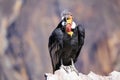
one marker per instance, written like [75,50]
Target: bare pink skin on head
[68,27]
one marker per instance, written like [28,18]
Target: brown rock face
[25,26]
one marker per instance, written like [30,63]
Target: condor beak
[69,21]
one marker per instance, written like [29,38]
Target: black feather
[64,47]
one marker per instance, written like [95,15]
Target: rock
[66,73]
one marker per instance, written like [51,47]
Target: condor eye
[68,18]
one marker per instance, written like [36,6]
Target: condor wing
[55,47]
[81,37]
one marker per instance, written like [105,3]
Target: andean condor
[66,41]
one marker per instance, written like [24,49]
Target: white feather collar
[73,24]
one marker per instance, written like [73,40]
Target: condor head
[68,23]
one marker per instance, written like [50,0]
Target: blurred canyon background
[25,26]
